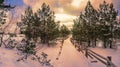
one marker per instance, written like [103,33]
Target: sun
[64,17]
[76,3]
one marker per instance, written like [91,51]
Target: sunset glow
[59,33]
[65,10]
[64,17]
[76,3]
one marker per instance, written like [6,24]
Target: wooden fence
[105,60]
[89,53]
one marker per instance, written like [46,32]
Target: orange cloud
[64,9]
[76,6]
[36,4]
[68,6]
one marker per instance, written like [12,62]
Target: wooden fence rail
[89,53]
[107,61]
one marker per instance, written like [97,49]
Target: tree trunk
[95,42]
[48,43]
[80,42]
[111,35]
[89,43]
[110,43]
[62,41]
[105,46]
[1,40]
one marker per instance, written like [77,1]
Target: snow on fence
[89,53]
[107,61]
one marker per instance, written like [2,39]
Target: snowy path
[70,57]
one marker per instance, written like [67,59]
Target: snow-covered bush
[27,47]
[43,59]
[11,44]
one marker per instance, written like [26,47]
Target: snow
[115,54]
[8,59]
[69,57]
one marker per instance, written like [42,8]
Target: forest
[40,28]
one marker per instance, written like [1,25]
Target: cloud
[65,10]
[69,6]
[64,17]
[36,4]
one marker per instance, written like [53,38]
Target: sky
[65,10]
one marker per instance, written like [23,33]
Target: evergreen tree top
[2,5]
[89,5]
[1,1]
[89,8]
[104,5]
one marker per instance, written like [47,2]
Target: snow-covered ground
[69,57]
[115,54]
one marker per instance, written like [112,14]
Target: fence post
[109,59]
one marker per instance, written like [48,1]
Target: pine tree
[112,14]
[2,16]
[96,24]
[64,31]
[30,25]
[79,30]
[49,28]
[2,21]
[91,18]
[1,1]
[40,24]
[117,29]
[3,10]
[107,18]
[29,30]
[27,21]
[3,5]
